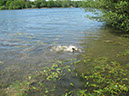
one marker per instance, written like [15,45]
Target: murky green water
[110,44]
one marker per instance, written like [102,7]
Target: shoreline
[42,8]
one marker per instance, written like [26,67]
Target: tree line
[22,4]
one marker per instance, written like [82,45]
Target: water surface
[26,37]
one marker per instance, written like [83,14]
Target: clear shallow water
[26,37]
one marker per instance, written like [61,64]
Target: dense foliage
[115,12]
[20,4]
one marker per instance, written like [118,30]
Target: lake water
[26,37]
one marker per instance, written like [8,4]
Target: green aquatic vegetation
[57,39]
[82,93]
[1,62]
[18,88]
[40,82]
[68,94]
[55,72]
[104,77]
[107,77]
[55,42]
[71,84]
[41,43]
[125,53]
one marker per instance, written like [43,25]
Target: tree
[1,2]
[66,3]
[51,3]
[28,4]
[58,3]
[7,3]
[43,4]
[115,13]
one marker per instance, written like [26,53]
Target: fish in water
[64,48]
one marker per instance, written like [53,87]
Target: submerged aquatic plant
[44,82]
[107,78]
[104,77]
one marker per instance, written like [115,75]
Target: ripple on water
[26,37]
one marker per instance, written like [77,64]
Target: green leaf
[29,77]
[71,84]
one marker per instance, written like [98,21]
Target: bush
[3,8]
[28,4]
[118,16]
[115,13]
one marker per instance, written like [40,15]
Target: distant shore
[42,8]
[51,7]
[13,5]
